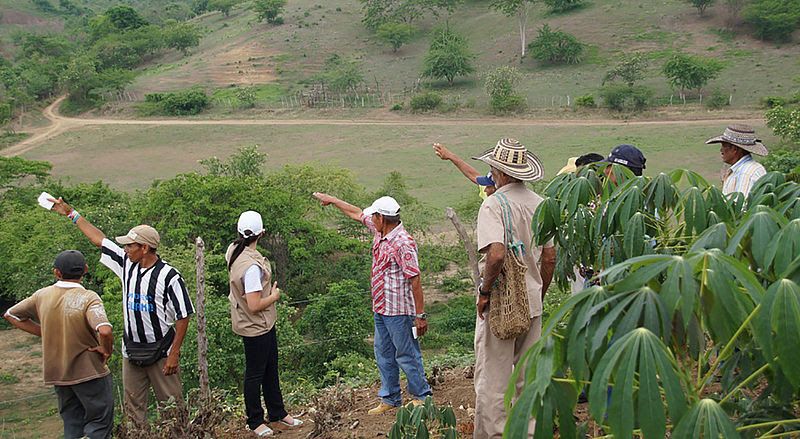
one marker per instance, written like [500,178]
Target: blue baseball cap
[485,180]
[627,155]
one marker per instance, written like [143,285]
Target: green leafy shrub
[180,103]
[691,72]
[585,101]
[773,19]
[559,6]
[500,84]
[341,74]
[773,101]
[246,96]
[397,107]
[785,122]
[556,47]
[622,97]
[717,100]
[426,101]
[782,160]
[353,369]
[269,10]
[424,421]
[395,34]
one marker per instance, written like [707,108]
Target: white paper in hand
[44,201]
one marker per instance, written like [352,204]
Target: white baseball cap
[250,224]
[386,206]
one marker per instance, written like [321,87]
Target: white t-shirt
[252,279]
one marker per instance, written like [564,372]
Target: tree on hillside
[629,70]
[181,35]
[520,9]
[559,6]
[341,74]
[395,34]
[449,56]
[378,12]
[223,6]
[701,5]
[269,10]
[691,72]
[5,115]
[125,17]
[499,85]
[774,20]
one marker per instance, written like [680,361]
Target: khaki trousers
[495,360]
[137,381]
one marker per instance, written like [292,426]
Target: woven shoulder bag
[509,308]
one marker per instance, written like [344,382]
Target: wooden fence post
[469,246]
[200,302]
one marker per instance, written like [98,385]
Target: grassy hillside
[237,50]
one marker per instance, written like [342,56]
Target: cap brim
[370,210]
[484,181]
[124,240]
[531,171]
[567,169]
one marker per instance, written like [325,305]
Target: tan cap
[143,234]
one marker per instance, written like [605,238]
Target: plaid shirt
[394,263]
[742,176]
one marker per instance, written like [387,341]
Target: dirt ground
[28,408]
[452,387]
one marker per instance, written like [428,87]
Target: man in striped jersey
[156,307]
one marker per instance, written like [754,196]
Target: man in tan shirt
[76,344]
[495,359]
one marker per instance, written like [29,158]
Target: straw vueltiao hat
[571,166]
[512,158]
[743,136]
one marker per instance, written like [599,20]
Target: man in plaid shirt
[397,300]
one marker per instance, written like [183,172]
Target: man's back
[523,204]
[69,316]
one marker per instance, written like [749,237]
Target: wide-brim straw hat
[743,136]
[512,158]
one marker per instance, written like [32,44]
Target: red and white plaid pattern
[394,262]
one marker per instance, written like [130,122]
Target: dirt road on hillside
[60,124]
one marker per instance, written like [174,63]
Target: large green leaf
[716,236]
[760,226]
[783,249]
[780,322]
[546,220]
[705,420]
[630,310]
[694,211]
[660,193]
[637,354]
[579,192]
[633,241]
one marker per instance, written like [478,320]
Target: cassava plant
[424,421]
[692,328]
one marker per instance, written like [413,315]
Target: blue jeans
[395,349]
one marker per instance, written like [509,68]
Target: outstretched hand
[325,199]
[60,206]
[442,152]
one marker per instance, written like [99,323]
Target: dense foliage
[691,72]
[269,10]
[773,19]
[694,288]
[556,47]
[178,103]
[395,34]
[499,85]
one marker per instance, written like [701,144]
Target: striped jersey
[152,298]
[394,263]
[742,176]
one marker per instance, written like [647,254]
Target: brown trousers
[495,360]
[137,381]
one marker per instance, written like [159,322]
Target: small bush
[426,101]
[500,84]
[506,104]
[621,97]
[556,47]
[397,107]
[179,103]
[558,6]
[773,101]
[585,101]
[717,100]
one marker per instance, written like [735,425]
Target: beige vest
[244,322]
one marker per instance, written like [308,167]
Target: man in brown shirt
[76,344]
[495,359]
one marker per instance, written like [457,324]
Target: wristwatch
[483,293]
[422,316]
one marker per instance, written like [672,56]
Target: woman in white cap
[253,316]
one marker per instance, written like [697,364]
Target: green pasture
[131,157]
[314,30]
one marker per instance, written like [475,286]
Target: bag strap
[518,247]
